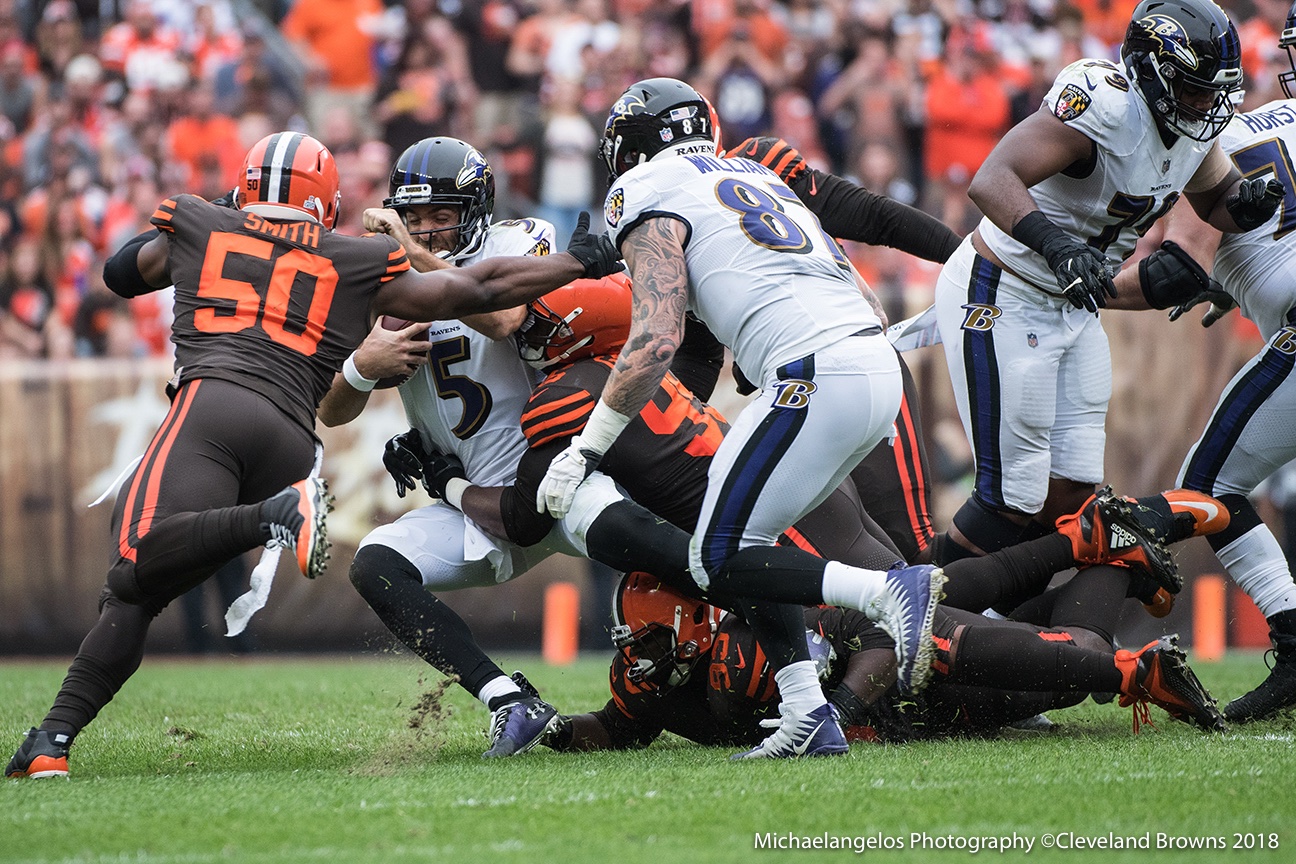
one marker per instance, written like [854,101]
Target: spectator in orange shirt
[335,39]
[202,136]
[751,19]
[967,113]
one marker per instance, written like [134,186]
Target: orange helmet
[661,633]
[585,318]
[715,126]
[287,174]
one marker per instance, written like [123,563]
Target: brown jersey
[272,306]
[661,459]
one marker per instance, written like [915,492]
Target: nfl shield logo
[1032,340]
[667,135]
[1165,166]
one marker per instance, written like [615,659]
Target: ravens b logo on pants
[794,394]
[980,317]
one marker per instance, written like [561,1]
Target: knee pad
[375,566]
[1029,394]
[987,528]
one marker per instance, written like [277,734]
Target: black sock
[1093,600]
[393,588]
[1002,577]
[185,548]
[781,574]
[1012,658]
[779,629]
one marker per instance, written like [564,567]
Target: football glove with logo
[403,458]
[438,470]
[1080,269]
[1255,202]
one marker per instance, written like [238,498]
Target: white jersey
[468,399]
[1134,179]
[1258,268]
[762,274]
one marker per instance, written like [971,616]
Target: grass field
[315,760]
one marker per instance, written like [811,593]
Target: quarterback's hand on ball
[1220,300]
[595,252]
[774,153]
[1082,275]
[393,353]
[403,458]
[438,470]
[1255,202]
[566,472]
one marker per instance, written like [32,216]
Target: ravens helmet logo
[627,105]
[475,167]
[1172,38]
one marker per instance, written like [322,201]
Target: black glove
[1255,202]
[1081,273]
[403,458]
[437,471]
[1221,302]
[594,251]
[774,153]
[1170,277]
[229,199]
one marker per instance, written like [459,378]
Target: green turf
[315,760]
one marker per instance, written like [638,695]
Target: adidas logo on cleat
[1121,538]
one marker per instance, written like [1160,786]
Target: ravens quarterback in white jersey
[1252,431]
[1066,194]
[728,241]
[466,400]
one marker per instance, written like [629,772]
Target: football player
[683,668]
[730,242]
[1251,432]
[662,458]
[269,304]
[467,401]
[892,479]
[1066,194]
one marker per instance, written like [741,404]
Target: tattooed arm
[654,252]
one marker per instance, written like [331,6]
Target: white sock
[798,685]
[500,685]
[1256,562]
[852,587]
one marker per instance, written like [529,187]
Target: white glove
[566,473]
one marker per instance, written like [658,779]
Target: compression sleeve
[121,270]
[851,212]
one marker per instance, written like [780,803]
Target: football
[390,323]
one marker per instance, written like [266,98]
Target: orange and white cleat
[1106,530]
[42,754]
[296,518]
[1178,514]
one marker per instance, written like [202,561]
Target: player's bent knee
[595,495]
[374,567]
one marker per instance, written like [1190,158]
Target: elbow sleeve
[121,271]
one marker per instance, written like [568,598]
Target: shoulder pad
[1097,98]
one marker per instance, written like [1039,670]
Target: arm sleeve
[121,270]
[852,212]
[626,733]
[699,359]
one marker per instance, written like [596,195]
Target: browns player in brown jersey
[269,304]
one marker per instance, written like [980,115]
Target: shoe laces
[283,535]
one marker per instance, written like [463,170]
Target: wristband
[602,428]
[1037,232]
[353,376]
[455,489]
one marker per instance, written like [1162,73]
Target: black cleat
[42,754]
[1276,694]
[519,721]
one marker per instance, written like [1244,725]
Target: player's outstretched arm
[497,283]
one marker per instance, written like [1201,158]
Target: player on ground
[467,401]
[1066,193]
[727,240]
[269,303]
[683,668]
[1252,431]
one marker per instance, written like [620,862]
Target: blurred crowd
[108,105]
